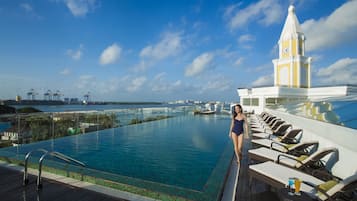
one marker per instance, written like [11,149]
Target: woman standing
[238,127]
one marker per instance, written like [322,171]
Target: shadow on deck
[11,189]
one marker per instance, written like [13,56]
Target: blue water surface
[181,151]
[4,126]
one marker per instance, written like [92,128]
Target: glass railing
[19,129]
[43,127]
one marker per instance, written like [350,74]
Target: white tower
[292,69]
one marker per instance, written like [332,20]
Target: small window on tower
[300,48]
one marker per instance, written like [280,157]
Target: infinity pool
[185,152]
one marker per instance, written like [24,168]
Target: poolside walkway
[258,192]
[11,189]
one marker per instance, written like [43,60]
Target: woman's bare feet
[240,156]
[238,160]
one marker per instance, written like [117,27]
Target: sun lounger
[303,162]
[292,137]
[294,149]
[278,175]
[275,125]
[280,131]
[266,122]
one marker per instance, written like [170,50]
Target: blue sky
[156,50]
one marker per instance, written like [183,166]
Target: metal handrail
[67,158]
[59,156]
[28,155]
[39,180]
[55,154]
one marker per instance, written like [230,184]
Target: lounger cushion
[341,185]
[282,174]
[261,130]
[264,154]
[327,185]
[302,157]
[261,135]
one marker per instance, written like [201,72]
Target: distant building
[12,134]
[292,74]
[66,100]
[74,101]
[18,98]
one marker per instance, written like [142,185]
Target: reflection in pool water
[182,151]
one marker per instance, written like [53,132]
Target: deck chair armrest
[289,157]
[297,152]
[303,148]
[306,145]
[279,144]
[288,140]
[318,189]
[323,174]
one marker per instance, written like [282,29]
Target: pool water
[182,151]
[4,126]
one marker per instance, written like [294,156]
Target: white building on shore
[292,74]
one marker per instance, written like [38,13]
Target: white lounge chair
[291,137]
[294,149]
[275,125]
[264,123]
[278,175]
[302,162]
[280,131]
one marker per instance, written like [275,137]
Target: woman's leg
[235,144]
[240,146]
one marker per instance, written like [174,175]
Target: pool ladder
[55,154]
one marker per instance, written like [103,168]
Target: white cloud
[229,10]
[262,68]
[27,7]
[275,51]
[159,84]
[110,86]
[199,64]
[266,12]
[239,61]
[86,82]
[170,44]
[343,71]
[246,38]
[136,83]
[142,66]
[30,11]
[338,28]
[167,87]
[226,53]
[110,55]
[160,76]
[65,71]
[198,25]
[75,54]
[218,85]
[80,8]
[264,80]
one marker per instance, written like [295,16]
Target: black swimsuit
[238,126]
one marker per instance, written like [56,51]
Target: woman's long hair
[234,110]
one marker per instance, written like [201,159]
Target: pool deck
[55,188]
[258,191]
[229,192]
[62,188]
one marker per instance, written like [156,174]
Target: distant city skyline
[129,50]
